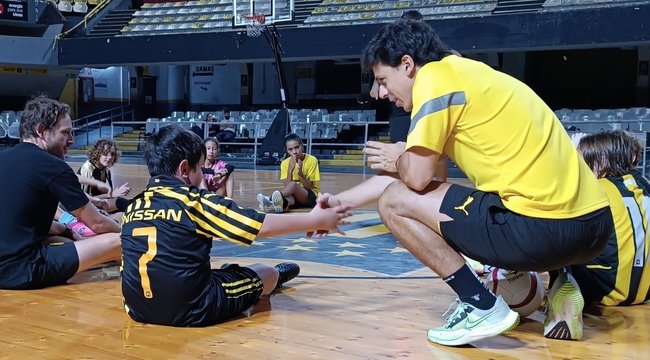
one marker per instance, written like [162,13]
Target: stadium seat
[14,130]
[64,6]
[80,7]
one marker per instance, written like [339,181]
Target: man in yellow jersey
[535,204]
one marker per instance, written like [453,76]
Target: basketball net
[254,23]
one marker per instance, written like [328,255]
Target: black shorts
[594,284]
[485,230]
[54,264]
[204,300]
[310,203]
[232,297]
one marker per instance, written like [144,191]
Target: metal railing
[248,132]
[103,118]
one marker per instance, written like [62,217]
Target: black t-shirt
[32,183]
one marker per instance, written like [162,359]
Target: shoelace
[460,309]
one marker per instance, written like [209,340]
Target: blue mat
[367,245]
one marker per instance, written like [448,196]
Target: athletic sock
[554,274]
[470,288]
[285,202]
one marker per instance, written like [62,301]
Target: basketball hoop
[254,23]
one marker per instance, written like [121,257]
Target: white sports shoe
[265,203]
[468,324]
[278,201]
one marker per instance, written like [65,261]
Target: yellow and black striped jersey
[621,268]
[167,233]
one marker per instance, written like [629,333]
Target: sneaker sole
[260,200]
[485,332]
[277,200]
[564,319]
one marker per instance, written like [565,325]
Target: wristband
[66,218]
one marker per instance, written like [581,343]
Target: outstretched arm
[99,223]
[364,193]
[326,219]
[103,187]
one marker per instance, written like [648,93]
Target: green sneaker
[468,324]
[564,309]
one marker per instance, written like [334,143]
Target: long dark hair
[610,152]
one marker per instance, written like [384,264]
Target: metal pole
[272,37]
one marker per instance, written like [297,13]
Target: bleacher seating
[560,5]
[255,124]
[76,6]
[172,17]
[587,120]
[354,12]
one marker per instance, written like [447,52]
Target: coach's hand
[382,156]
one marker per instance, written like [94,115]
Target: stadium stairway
[303,9]
[518,6]
[348,157]
[130,141]
[112,23]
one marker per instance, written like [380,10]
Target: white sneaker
[564,309]
[278,201]
[469,324]
[265,203]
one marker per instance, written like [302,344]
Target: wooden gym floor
[354,308]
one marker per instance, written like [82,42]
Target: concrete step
[128,135]
[348,157]
[354,152]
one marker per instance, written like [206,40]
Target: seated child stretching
[301,176]
[167,237]
[217,173]
[620,275]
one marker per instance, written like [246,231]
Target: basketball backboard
[274,11]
